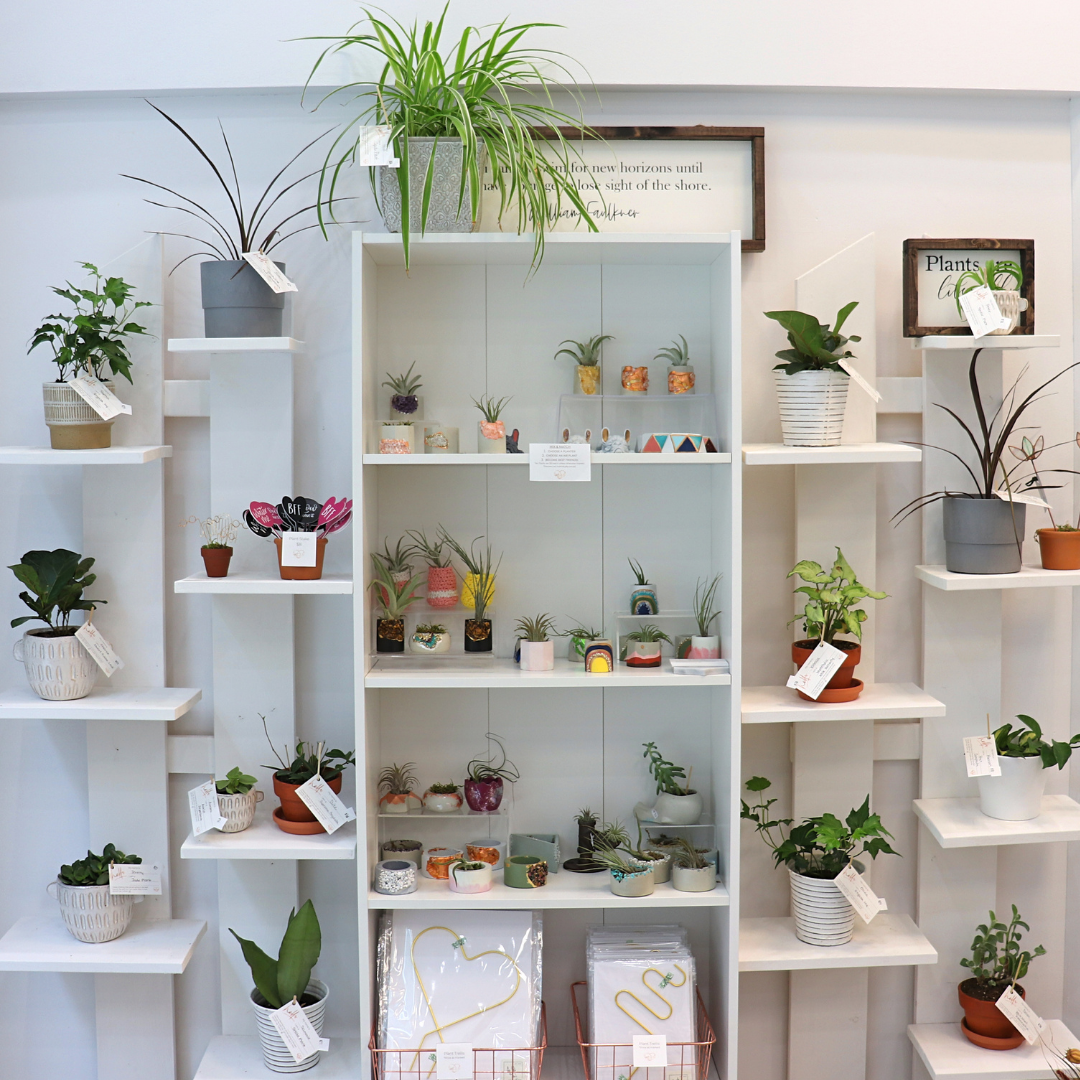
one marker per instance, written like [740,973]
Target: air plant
[423,548]
[684,854]
[995,274]
[395,598]
[675,354]
[609,835]
[639,574]
[489,408]
[480,566]
[484,770]
[429,629]
[620,864]
[814,347]
[397,560]
[398,779]
[537,628]
[585,353]
[648,633]
[704,612]
[403,388]
[298,514]
[218,531]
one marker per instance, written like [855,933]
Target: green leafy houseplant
[676,354]
[94,869]
[821,846]
[996,274]
[57,580]
[92,336]
[585,353]
[1028,742]
[537,628]
[308,760]
[666,774]
[235,782]
[996,960]
[486,93]
[286,978]
[814,347]
[832,595]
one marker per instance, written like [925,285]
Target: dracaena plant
[996,274]
[286,978]
[57,580]
[832,596]
[1027,741]
[94,869]
[996,960]
[235,782]
[814,347]
[585,353]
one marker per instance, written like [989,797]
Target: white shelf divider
[249,583]
[264,840]
[103,703]
[878,701]
[1029,577]
[239,1057]
[523,459]
[948,1055]
[966,343]
[850,453]
[235,345]
[109,455]
[957,823]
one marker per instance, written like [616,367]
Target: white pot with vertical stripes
[276,1056]
[812,405]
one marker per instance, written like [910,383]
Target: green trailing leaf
[666,774]
[264,971]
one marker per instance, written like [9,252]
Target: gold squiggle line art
[664,981]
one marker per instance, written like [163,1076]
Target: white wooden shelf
[42,943]
[432,673]
[523,459]
[235,344]
[878,701]
[264,840]
[563,890]
[1029,577]
[957,823]
[850,453]
[109,455]
[947,1053]
[967,343]
[889,941]
[239,1057]
[103,703]
[249,583]
[455,815]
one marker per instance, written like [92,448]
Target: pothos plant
[1028,742]
[833,594]
[996,960]
[814,347]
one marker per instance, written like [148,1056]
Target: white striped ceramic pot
[812,405]
[91,913]
[276,1056]
[238,810]
[57,668]
[822,914]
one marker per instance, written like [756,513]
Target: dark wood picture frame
[755,136]
[912,327]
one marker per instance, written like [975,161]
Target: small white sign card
[858,893]
[134,879]
[297,1031]
[1022,1016]
[560,462]
[268,270]
[99,649]
[982,312]
[205,809]
[373,146]
[650,1051]
[98,396]
[980,756]
[1017,497]
[298,549]
[329,810]
[823,664]
[454,1061]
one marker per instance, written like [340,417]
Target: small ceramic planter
[477,635]
[58,668]
[440,802]
[440,439]
[441,587]
[484,796]
[525,872]
[390,635]
[680,380]
[704,648]
[437,862]
[1059,549]
[638,881]
[409,850]
[216,560]
[73,423]
[812,406]
[1010,303]
[397,439]
[293,816]
[635,380]
[822,914]
[470,881]
[537,655]
[90,913]
[693,879]
[660,861]
[429,644]
[276,1055]
[490,437]
[395,803]
[1015,795]
[302,573]
[487,850]
[587,379]
[643,601]
[600,657]
[238,810]
[643,654]
[395,877]
[672,809]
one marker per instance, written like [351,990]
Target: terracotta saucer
[297,828]
[842,693]
[987,1043]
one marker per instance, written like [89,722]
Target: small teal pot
[643,601]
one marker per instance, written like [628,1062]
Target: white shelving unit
[965,343]
[1029,577]
[878,701]
[264,840]
[947,1055]
[234,346]
[104,703]
[956,823]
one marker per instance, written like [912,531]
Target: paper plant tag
[981,311]
[516,1067]
[264,266]
[297,1031]
[1028,500]
[1022,1016]
[205,811]
[134,879]
[560,462]
[298,549]
[98,396]
[858,893]
[859,381]
[650,1051]
[329,810]
[980,756]
[453,1061]
[101,651]
[373,146]
[823,664]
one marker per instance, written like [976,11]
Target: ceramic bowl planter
[982,536]
[525,872]
[444,215]
[812,406]
[293,816]
[643,601]
[410,850]
[586,379]
[90,913]
[680,380]
[642,654]
[484,796]
[1010,303]
[390,635]
[693,878]
[302,573]
[537,655]
[275,1054]
[635,381]
[490,437]
[636,880]
[477,635]
[238,810]
[73,424]
[216,560]
[477,879]
[442,802]
[438,860]
[237,302]
[441,587]
[1059,548]
[678,809]
[984,1023]
[822,913]
[1015,795]
[428,644]
[704,648]
[58,668]
[843,686]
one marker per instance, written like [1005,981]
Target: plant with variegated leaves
[832,595]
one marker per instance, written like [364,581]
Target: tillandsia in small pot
[1059,546]
[412,850]
[580,638]
[441,579]
[58,667]
[443,798]
[643,600]
[84,342]
[704,645]
[291,524]
[811,383]
[396,559]
[469,877]
[400,437]
[491,431]
[537,648]
[831,596]
[815,852]
[284,980]
[627,876]
[677,803]
[397,782]
[478,590]
[691,871]
[89,911]
[680,373]
[642,647]
[405,405]
[394,599]
[430,639]
[996,963]
[1023,755]
[237,797]
[485,777]
[586,356]
[1004,278]
[218,533]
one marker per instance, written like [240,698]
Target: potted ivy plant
[1023,755]
[815,852]
[491,431]
[237,797]
[89,910]
[218,533]
[394,599]
[830,610]
[443,798]
[691,871]
[641,647]
[680,372]
[537,648]
[705,645]
[397,783]
[430,639]
[58,667]
[412,850]
[478,590]
[405,405]
[485,778]
[85,341]
[1004,278]
[811,383]
[643,600]
[996,963]
[676,803]
[586,357]
[285,979]
[441,579]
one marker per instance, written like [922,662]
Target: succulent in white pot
[443,798]
[1023,755]
[88,909]
[537,648]
[469,877]
[237,797]
[398,783]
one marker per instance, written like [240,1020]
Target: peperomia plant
[832,595]
[308,760]
[57,580]
[286,978]
[235,782]
[94,869]
[997,960]
[1021,742]
[821,846]
[813,347]
[666,774]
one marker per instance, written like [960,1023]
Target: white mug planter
[672,809]
[693,879]
[822,914]
[57,668]
[1015,795]
[470,881]
[238,810]
[276,1055]
[537,655]
[812,405]
[91,913]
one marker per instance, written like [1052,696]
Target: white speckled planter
[238,810]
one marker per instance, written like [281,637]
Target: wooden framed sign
[664,180]
[931,270]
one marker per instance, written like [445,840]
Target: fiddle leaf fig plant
[833,593]
[1028,742]
[814,347]
[286,978]
[57,580]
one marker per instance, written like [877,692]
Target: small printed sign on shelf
[858,893]
[650,1051]
[560,462]
[330,812]
[269,271]
[298,549]
[297,1031]
[101,652]
[1021,1015]
[454,1061]
[982,312]
[980,756]
[98,396]
[823,663]
[205,809]
[134,879]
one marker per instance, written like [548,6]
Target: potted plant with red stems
[441,579]
[829,611]
[485,778]
[299,514]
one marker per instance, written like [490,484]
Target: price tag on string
[329,810]
[298,549]
[297,1031]
[858,893]
[454,1061]
[373,147]
[269,271]
[824,662]
[980,756]
[859,381]
[134,879]
[982,312]
[205,809]
[98,396]
[101,652]
[1027,500]
[650,1051]
[1021,1015]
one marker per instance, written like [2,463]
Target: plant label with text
[1027,500]
[298,549]
[268,270]
[560,462]
[859,381]
[373,147]
[982,312]
[98,396]
[858,894]
[134,879]
[650,1051]
[205,809]
[454,1061]
[330,812]
[823,663]
[297,1031]
[99,649]
[980,756]
[1021,1015]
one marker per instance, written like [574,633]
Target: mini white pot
[1015,795]
[661,867]
[429,644]
[276,1056]
[470,881]
[638,882]
[812,405]
[238,810]
[398,439]
[490,437]
[91,913]
[442,803]
[822,914]
[691,879]
[704,648]
[57,668]
[537,655]
[678,809]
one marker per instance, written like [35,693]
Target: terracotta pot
[302,573]
[216,560]
[844,677]
[293,810]
[484,796]
[441,587]
[984,1024]
[1059,550]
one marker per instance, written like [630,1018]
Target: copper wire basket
[489,1063]
[689,1060]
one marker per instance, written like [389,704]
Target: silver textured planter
[237,302]
[91,913]
[443,213]
[276,1056]
[982,536]
[693,878]
[812,406]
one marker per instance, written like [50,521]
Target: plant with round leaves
[1021,742]
[235,782]
[94,869]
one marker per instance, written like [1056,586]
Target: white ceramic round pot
[693,879]
[822,914]
[276,1056]
[442,802]
[812,405]
[73,423]
[661,866]
[90,913]
[470,881]
[238,810]
[537,655]
[639,881]
[57,668]
[678,809]
[1015,795]
[704,648]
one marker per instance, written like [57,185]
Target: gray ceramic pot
[443,215]
[237,302]
[982,536]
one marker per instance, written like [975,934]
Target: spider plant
[490,408]
[398,779]
[423,548]
[479,564]
[394,599]
[704,598]
[537,628]
[484,91]
[995,274]
[585,353]
[639,574]
[675,354]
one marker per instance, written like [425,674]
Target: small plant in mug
[995,274]
[403,390]
[94,869]
[218,531]
[537,628]
[235,782]
[57,580]
[1028,742]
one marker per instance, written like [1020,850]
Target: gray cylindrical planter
[237,302]
[693,878]
[443,213]
[982,536]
